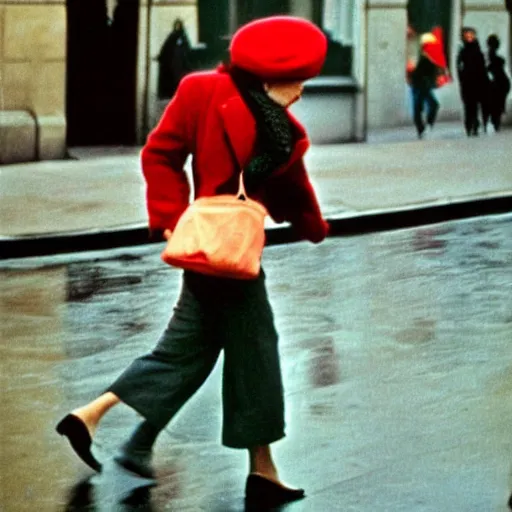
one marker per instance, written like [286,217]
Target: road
[396,358]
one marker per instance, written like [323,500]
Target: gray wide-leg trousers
[214,314]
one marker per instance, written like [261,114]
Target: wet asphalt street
[397,359]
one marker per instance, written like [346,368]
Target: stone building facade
[85,72]
[32,80]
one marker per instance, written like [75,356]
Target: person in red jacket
[229,119]
[424,78]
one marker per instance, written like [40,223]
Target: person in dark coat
[499,84]
[235,117]
[473,80]
[423,80]
[174,60]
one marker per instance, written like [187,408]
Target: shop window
[334,17]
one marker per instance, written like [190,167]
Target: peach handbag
[221,235]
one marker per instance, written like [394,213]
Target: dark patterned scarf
[274,143]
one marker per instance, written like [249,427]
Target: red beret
[279,48]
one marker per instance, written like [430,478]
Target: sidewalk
[98,197]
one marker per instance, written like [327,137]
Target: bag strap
[241,188]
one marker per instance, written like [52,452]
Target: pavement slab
[103,190]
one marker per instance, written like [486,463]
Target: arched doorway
[101,72]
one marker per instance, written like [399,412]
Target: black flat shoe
[75,430]
[262,492]
[137,465]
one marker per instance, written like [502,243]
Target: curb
[353,224]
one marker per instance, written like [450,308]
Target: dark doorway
[101,73]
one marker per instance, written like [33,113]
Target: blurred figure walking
[499,84]
[174,60]
[473,80]
[424,79]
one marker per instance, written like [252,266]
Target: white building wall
[387,101]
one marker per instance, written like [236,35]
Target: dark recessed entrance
[101,72]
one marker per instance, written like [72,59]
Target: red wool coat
[208,119]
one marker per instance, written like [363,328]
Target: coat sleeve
[291,197]
[163,159]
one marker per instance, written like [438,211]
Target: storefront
[362,86]
[78,72]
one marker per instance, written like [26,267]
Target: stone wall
[32,80]
[385,54]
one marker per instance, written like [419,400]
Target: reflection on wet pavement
[396,359]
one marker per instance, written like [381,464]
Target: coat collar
[240,129]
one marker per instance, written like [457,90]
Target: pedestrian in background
[423,79]
[473,80]
[229,119]
[499,84]
[174,60]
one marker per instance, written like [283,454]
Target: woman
[231,118]
[499,84]
[173,59]
[472,79]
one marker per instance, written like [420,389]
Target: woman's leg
[486,107]
[432,107]
[158,384]
[418,100]
[497,108]
[262,463]
[135,455]
[155,385]
[472,116]
[91,413]
[252,389]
